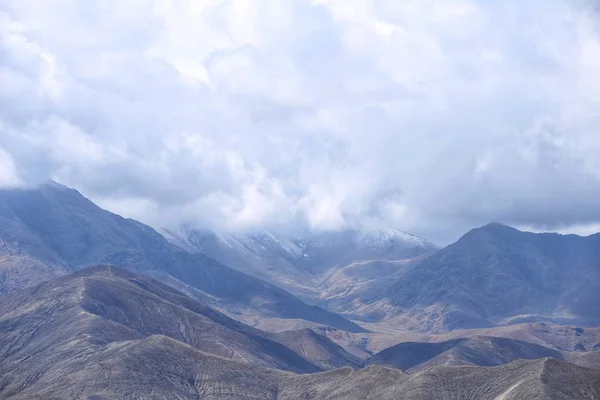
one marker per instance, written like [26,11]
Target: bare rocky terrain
[318,349]
[159,367]
[558,337]
[104,304]
[482,351]
[53,230]
[325,268]
[500,314]
[493,276]
[106,333]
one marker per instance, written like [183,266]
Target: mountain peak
[387,235]
[51,183]
[493,229]
[496,225]
[52,187]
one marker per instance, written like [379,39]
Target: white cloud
[8,175]
[428,116]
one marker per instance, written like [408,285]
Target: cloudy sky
[429,116]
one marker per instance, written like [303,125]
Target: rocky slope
[582,343]
[318,349]
[325,250]
[259,254]
[52,230]
[477,351]
[326,268]
[495,275]
[103,305]
[106,333]
[159,367]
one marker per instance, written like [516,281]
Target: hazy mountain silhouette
[320,267]
[51,230]
[105,332]
[497,275]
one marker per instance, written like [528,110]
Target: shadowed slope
[318,349]
[498,275]
[479,350]
[52,230]
[83,314]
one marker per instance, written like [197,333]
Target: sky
[431,116]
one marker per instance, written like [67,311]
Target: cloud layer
[427,116]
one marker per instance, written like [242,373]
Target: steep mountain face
[105,332]
[19,269]
[498,275]
[52,230]
[98,306]
[349,289]
[494,275]
[260,254]
[311,266]
[334,249]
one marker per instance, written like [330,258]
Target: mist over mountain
[294,200]
[53,230]
[301,264]
[486,311]
[499,275]
[493,275]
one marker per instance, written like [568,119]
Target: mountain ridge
[496,275]
[301,264]
[57,228]
[106,304]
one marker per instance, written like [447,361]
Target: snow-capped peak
[379,237]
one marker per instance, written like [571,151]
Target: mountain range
[304,263]
[52,230]
[105,333]
[94,306]
[492,276]
[497,275]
